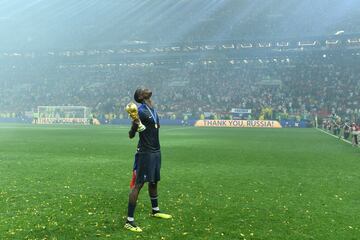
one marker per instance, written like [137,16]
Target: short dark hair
[138,95]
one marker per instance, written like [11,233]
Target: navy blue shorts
[147,166]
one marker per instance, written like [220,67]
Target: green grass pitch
[63,182]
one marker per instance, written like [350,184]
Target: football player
[147,158]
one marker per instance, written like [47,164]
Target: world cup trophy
[132,110]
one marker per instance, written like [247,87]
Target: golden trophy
[132,110]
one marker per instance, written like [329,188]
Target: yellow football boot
[132,227]
[161,215]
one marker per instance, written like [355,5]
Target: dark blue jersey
[149,138]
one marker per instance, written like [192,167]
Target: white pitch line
[347,141]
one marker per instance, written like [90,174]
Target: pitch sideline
[347,141]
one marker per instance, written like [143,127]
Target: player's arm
[133,129]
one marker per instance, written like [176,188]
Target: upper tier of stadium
[89,24]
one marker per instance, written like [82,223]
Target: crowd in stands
[296,86]
[342,128]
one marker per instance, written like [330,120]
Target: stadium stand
[276,80]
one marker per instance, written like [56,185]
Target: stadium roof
[96,23]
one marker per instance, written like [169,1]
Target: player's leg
[152,187]
[154,202]
[133,196]
[154,178]
[135,186]
[353,139]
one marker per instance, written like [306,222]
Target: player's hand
[131,134]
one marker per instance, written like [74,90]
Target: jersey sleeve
[144,116]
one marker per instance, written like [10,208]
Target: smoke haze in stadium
[58,24]
[278,59]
